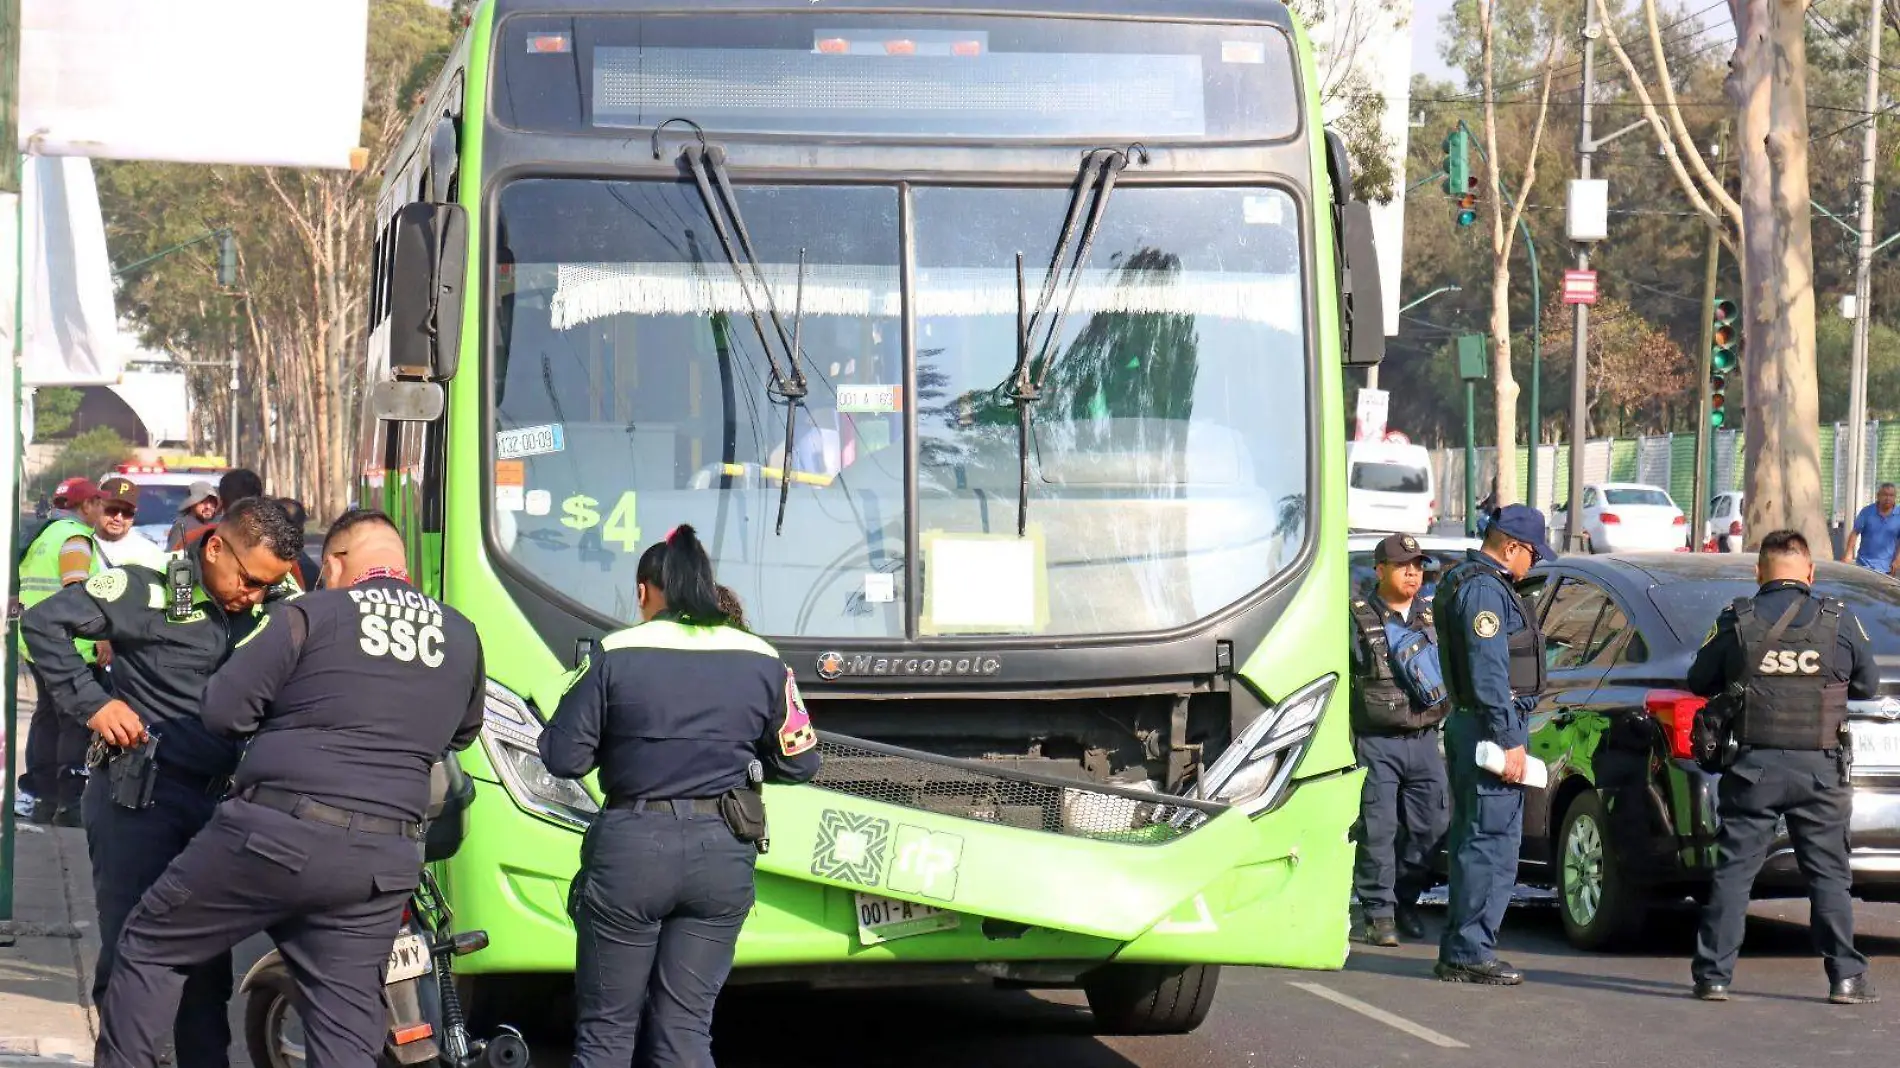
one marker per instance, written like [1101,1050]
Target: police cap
[1521,522]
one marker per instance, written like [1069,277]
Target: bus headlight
[510,731]
[1252,775]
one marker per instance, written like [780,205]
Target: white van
[1390,487]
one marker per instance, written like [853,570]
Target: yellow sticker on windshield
[583,513]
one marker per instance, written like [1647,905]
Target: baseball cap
[74,492]
[1397,549]
[121,490]
[1523,523]
[200,492]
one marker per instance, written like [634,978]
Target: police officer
[1493,657]
[64,552]
[1796,657]
[169,631]
[348,696]
[1398,701]
[683,715]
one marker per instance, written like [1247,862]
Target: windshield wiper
[1094,184]
[707,163]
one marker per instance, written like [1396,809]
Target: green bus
[996,354]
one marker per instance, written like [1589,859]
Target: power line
[1572,69]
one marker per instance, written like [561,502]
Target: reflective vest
[1399,658]
[1792,699]
[39,571]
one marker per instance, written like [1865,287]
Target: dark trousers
[55,750]
[657,906]
[331,899]
[1487,827]
[1806,787]
[130,849]
[1402,816]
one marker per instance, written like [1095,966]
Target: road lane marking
[1374,1012]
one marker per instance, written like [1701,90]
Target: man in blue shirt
[1876,533]
[1493,657]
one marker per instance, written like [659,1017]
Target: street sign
[1580,287]
[1372,409]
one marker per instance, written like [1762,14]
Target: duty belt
[309,808]
[697,806]
[208,785]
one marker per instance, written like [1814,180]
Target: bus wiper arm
[707,163]
[1094,184]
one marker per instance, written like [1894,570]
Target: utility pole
[1863,270]
[1579,362]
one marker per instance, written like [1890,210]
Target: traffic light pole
[1705,435]
[1580,359]
[1863,286]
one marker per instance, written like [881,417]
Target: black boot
[1489,973]
[1856,991]
[1410,923]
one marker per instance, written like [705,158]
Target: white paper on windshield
[984,583]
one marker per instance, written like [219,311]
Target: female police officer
[679,713]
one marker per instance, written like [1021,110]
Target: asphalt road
[1384,1009]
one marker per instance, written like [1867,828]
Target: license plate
[408,959]
[1876,745]
[882,919]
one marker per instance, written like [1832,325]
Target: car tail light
[403,1036]
[1675,710]
[1735,529]
[1678,521]
[1609,517]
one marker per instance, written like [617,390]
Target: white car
[1390,487]
[1724,530]
[1441,552]
[1629,517]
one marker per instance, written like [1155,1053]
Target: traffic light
[227,259]
[1725,343]
[1459,181]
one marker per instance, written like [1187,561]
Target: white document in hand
[1490,757]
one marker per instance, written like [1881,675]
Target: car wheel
[1601,906]
[1151,999]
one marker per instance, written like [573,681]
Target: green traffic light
[1722,360]
[1717,419]
[1467,217]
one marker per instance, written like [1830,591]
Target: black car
[1628,820]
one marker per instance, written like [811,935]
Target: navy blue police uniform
[1493,658]
[1797,658]
[1397,703]
[347,698]
[673,715]
[164,649]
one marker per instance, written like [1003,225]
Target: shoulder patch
[795,735]
[1485,624]
[108,585]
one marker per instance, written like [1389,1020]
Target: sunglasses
[121,511]
[249,581]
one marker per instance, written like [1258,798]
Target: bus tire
[1151,999]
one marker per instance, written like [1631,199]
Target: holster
[743,810]
[132,772]
[1712,736]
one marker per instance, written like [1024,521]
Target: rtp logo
[926,863]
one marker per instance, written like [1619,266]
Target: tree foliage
[295,319]
[53,410]
[1354,105]
[87,455]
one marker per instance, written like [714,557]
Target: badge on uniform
[795,735]
[1485,625]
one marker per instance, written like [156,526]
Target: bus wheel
[1151,999]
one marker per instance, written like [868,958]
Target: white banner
[71,335]
[266,82]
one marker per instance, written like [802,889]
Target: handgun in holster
[131,772]
[1846,735]
[743,809]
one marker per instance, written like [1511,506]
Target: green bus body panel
[1270,890]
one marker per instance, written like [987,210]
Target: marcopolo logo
[834,665]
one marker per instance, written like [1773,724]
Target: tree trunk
[1504,386]
[1782,405]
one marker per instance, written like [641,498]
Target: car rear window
[1691,607]
[1638,496]
[1388,478]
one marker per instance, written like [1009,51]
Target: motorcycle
[426,1024]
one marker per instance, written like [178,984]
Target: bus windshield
[1168,452]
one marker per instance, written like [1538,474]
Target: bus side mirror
[427,276]
[1362,302]
[407,402]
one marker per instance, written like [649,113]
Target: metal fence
[1666,460]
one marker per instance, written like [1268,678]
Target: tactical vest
[39,572]
[1526,647]
[1792,699]
[1380,703]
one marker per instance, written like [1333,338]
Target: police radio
[179,580]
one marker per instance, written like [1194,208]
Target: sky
[1425,16]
